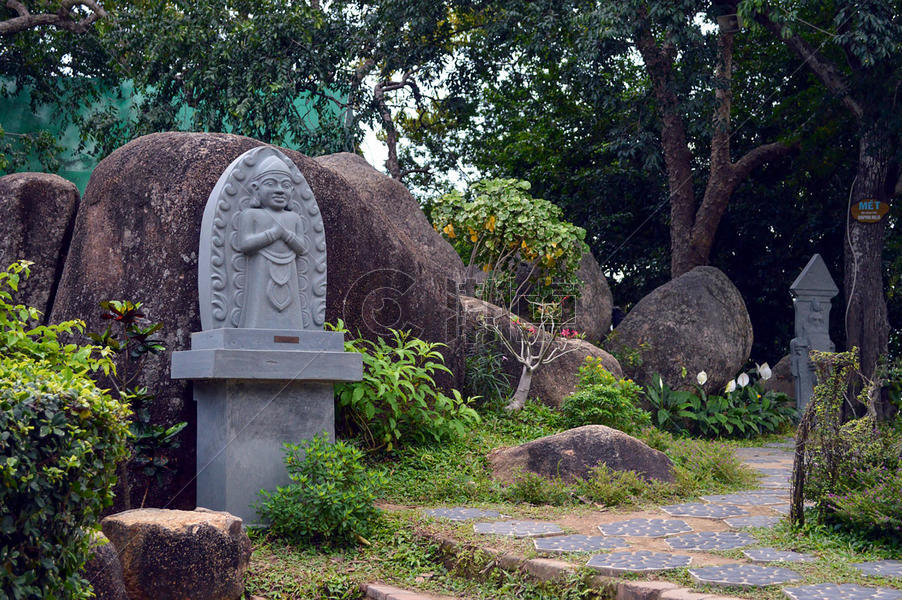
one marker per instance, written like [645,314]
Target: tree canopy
[673,133]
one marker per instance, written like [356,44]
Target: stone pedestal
[257,389]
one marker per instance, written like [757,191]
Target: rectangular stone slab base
[241,427]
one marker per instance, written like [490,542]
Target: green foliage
[497,225]
[745,412]
[397,403]
[534,489]
[612,488]
[602,399]
[484,376]
[331,498]
[21,336]
[131,335]
[60,442]
[852,468]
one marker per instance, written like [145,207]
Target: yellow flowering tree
[530,256]
[498,227]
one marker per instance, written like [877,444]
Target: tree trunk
[518,400]
[866,321]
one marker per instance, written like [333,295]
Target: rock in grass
[178,554]
[572,455]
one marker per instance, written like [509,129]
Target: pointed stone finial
[814,280]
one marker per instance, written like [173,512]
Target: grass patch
[458,471]
[400,555]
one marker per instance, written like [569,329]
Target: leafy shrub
[22,336]
[397,401]
[484,376]
[742,413]
[851,470]
[131,335]
[60,442]
[534,489]
[602,399]
[869,503]
[611,487]
[331,498]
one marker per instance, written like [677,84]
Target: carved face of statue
[274,190]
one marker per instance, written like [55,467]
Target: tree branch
[64,18]
[758,156]
[824,70]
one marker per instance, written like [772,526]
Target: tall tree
[859,61]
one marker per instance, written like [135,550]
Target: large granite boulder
[572,455]
[781,378]
[396,202]
[697,321]
[176,554]
[104,571]
[595,303]
[136,237]
[552,382]
[37,212]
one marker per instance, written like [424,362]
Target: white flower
[742,380]
[730,386]
[701,378]
[764,371]
[660,382]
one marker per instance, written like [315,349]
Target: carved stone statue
[812,291]
[262,260]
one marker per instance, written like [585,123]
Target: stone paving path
[650,542]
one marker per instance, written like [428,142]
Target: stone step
[381,591]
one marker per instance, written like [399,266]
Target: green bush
[60,442]
[602,399]
[397,403]
[851,469]
[534,489]
[331,498]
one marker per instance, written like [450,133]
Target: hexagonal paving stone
[756,521]
[774,471]
[745,499]
[703,511]
[645,527]
[519,529]
[775,482]
[710,540]
[743,575]
[579,543]
[766,555]
[845,591]
[462,513]
[883,568]
[783,509]
[642,561]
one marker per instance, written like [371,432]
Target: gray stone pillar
[811,293]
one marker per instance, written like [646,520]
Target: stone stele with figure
[262,259]
[263,367]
